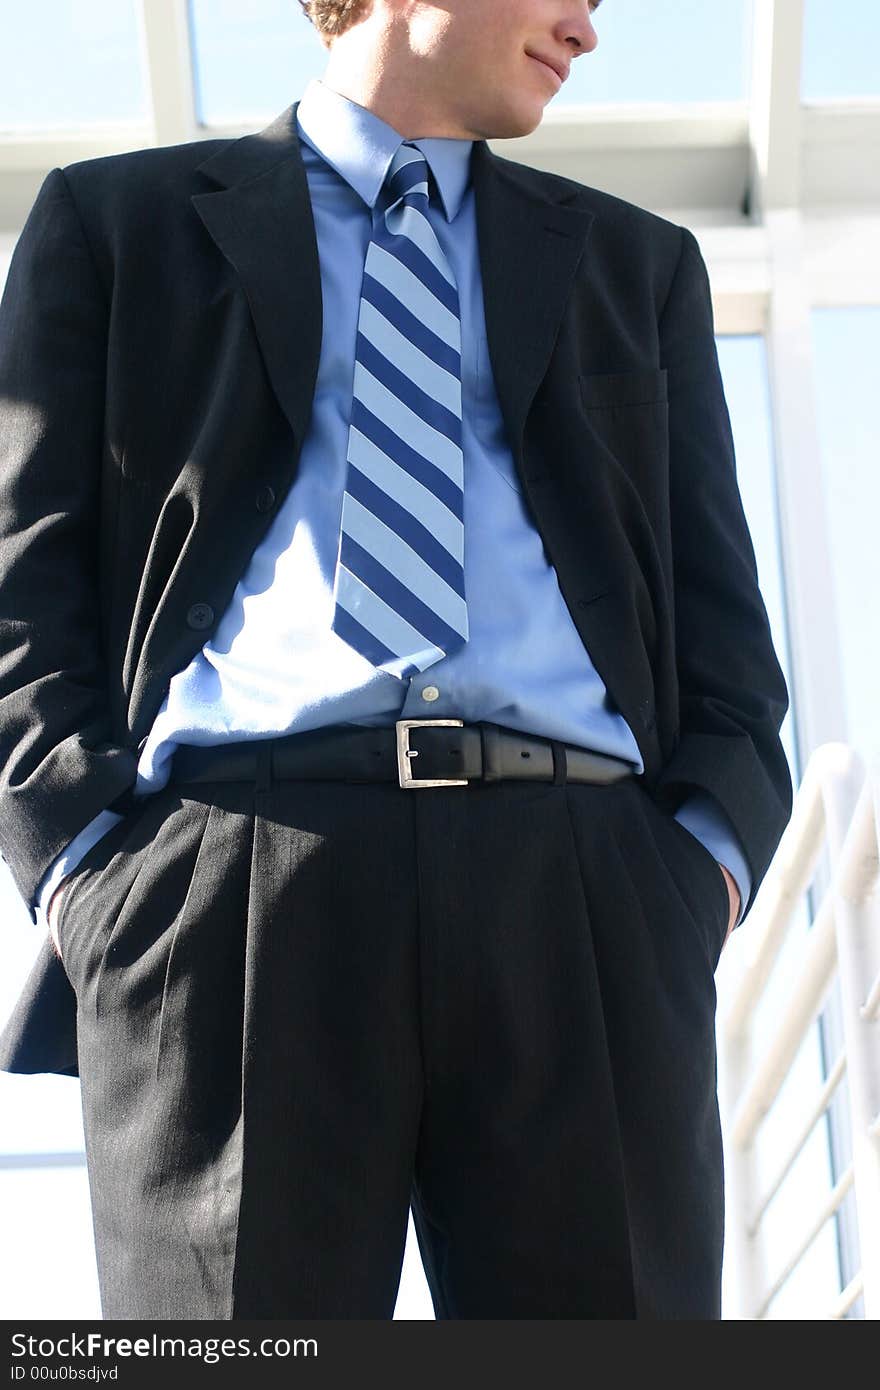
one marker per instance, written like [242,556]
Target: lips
[553,64]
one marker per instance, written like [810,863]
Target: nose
[576,30]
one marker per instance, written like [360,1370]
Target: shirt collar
[360,146]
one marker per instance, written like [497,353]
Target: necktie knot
[407,176]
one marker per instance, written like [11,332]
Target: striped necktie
[399,586]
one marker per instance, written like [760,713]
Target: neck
[387,68]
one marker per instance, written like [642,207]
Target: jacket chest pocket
[619,390]
[627,415]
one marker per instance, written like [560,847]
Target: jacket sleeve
[732,693]
[703,817]
[58,765]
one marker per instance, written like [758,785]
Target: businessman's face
[468,69]
[489,77]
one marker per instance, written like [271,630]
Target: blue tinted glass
[846,345]
[689,51]
[251,61]
[743,362]
[71,63]
[841,55]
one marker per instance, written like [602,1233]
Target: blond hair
[333,17]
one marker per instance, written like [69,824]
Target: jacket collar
[360,146]
[532,230]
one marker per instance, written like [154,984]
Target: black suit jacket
[159,342]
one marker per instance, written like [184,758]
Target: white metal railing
[837,807]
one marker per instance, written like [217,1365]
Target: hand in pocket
[735,904]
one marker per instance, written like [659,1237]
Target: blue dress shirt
[274,666]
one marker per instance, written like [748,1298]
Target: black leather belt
[413,752]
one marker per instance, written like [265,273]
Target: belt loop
[560,763]
[265,748]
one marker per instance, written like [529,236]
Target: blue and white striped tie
[399,584]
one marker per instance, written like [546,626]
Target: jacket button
[265,499]
[200,616]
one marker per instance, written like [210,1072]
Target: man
[307,435]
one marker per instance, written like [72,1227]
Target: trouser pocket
[95,891]
[694,872]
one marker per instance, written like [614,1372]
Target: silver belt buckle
[405,753]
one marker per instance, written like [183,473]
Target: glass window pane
[815,1284]
[845,344]
[841,44]
[743,362]
[70,63]
[251,61]
[689,51]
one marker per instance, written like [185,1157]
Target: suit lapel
[262,221]
[530,247]
[530,244]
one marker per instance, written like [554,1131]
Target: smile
[547,68]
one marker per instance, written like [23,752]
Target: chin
[511,124]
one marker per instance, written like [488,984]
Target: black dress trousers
[304,1006]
